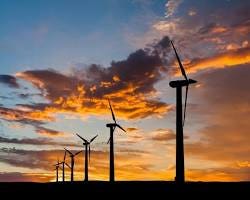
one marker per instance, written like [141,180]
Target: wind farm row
[180,119]
[87,149]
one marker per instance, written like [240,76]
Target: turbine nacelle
[181,83]
[111,125]
[86,142]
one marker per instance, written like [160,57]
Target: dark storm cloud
[9,80]
[52,83]
[136,70]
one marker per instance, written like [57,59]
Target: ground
[124,189]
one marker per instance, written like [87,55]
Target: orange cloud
[25,116]
[132,129]
[226,59]
[163,135]
[48,132]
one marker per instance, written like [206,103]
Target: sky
[61,60]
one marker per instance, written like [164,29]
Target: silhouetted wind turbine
[63,166]
[72,157]
[180,120]
[57,165]
[112,127]
[87,143]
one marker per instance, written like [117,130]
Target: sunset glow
[61,62]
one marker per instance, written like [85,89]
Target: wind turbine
[57,165]
[112,127]
[87,143]
[72,157]
[63,166]
[180,120]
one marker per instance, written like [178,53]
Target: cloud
[163,135]
[171,7]
[219,174]
[9,80]
[222,60]
[208,41]
[36,118]
[30,159]
[212,28]
[25,177]
[192,12]
[36,141]
[132,129]
[22,116]
[128,83]
[48,132]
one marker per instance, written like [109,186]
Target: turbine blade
[81,138]
[64,157]
[113,115]
[77,153]
[68,151]
[67,165]
[93,139]
[179,61]
[121,127]
[185,106]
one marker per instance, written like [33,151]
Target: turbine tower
[72,157]
[87,143]
[180,120]
[112,127]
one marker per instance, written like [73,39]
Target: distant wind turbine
[87,143]
[57,165]
[72,157]
[63,166]
[112,127]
